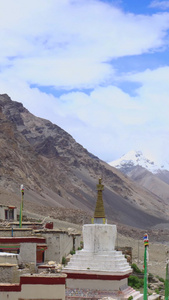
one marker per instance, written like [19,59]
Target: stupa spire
[99,214]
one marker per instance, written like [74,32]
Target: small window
[11,214]
[6,214]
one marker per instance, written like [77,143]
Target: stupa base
[87,280]
[90,294]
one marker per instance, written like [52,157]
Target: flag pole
[146,244]
[166,282]
[21,206]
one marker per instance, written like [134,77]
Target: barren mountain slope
[151,182]
[163,175]
[60,176]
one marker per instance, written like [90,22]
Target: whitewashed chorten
[98,266]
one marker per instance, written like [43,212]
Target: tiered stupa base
[98,266]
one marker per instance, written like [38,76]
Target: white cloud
[60,72]
[108,122]
[160,4]
[154,92]
[70,44]
[120,122]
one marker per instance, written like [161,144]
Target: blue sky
[98,69]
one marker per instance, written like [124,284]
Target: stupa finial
[99,214]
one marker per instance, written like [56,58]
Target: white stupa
[98,266]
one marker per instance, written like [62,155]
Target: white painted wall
[15,214]
[43,291]
[99,237]
[36,292]
[112,285]
[10,258]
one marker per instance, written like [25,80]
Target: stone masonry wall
[28,252]
[66,245]
[78,240]
[53,244]
[7,232]
[9,273]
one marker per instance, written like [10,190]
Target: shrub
[130,298]
[136,268]
[135,282]
[160,278]
[63,261]
[72,252]
[150,277]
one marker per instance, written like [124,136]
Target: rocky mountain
[147,173]
[60,176]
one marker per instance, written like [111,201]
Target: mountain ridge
[145,172]
[60,176]
[136,157]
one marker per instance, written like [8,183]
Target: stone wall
[78,240]
[66,245]
[16,232]
[15,214]
[9,273]
[2,213]
[53,246]
[28,252]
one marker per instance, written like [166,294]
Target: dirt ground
[157,253]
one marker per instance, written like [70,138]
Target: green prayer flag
[166,283]
[145,273]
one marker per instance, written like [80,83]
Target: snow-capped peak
[136,158]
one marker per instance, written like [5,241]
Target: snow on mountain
[136,158]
